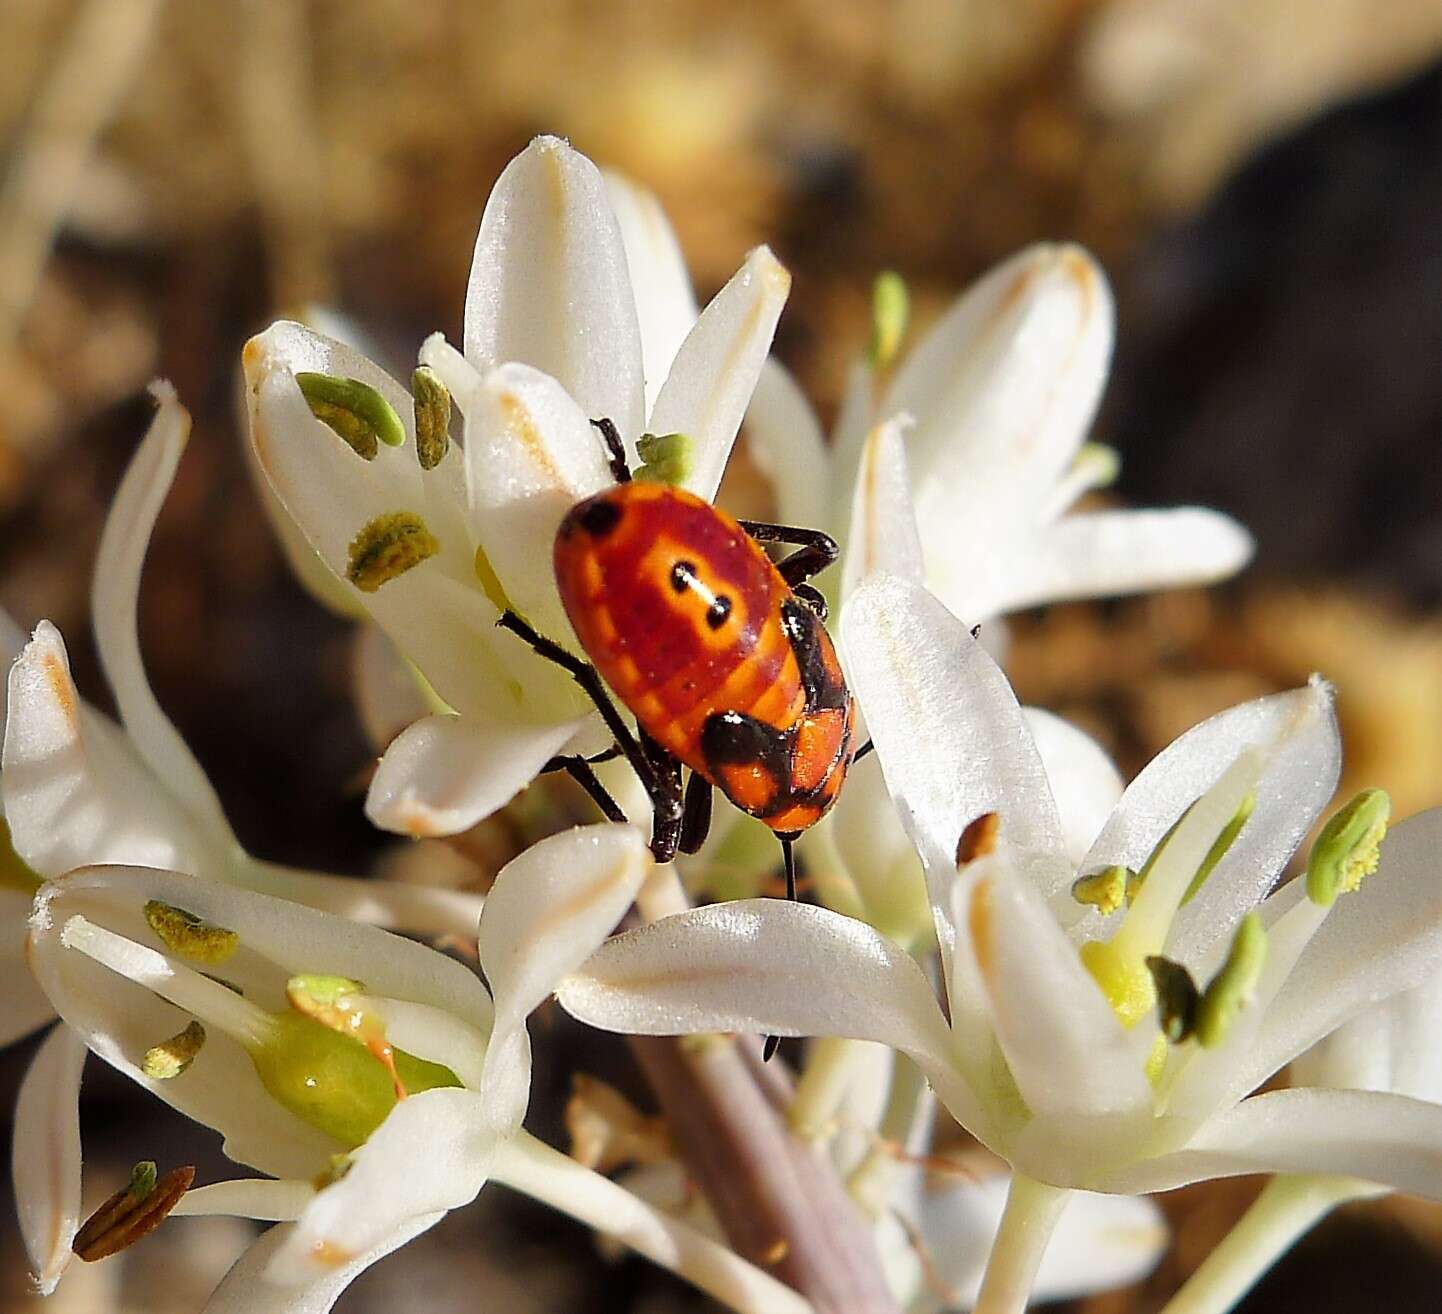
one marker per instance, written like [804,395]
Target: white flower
[1073,1085]
[554,338]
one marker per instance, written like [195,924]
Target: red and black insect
[719,653]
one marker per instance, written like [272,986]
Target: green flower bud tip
[142,1179]
[354,410]
[666,458]
[1224,841]
[14,873]
[1105,890]
[1177,998]
[1231,989]
[433,416]
[170,1058]
[1349,847]
[186,934]
[387,547]
[890,309]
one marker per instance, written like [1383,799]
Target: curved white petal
[114,601]
[247,1289]
[1004,388]
[1084,782]
[387,695]
[26,1007]
[431,1154]
[550,286]
[883,538]
[75,791]
[1378,1137]
[785,440]
[714,373]
[275,1201]
[443,774]
[46,1161]
[665,304]
[1297,734]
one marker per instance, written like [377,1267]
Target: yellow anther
[186,934]
[171,1057]
[1123,979]
[432,403]
[1177,998]
[354,410]
[1220,845]
[890,309]
[1349,847]
[14,873]
[1157,1060]
[1105,890]
[387,547]
[666,458]
[1231,989]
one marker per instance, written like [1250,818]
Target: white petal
[75,791]
[883,538]
[767,965]
[387,695]
[12,640]
[550,288]
[248,1197]
[665,304]
[1383,1138]
[1084,782]
[1004,388]
[26,1007]
[114,599]
[247,1290]
[432,1153]
[47,1155]
[445,773]
[948,730]
[784,438]
[531,455]
[715,371]
[1297,734]
[1103,554]
[1070,1056]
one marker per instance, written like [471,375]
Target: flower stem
[529,1165]
[1287,1208]
[1032,1211]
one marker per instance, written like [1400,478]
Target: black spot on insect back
[683,576]
[717,612]
[599,517]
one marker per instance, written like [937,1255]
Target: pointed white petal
[46,1162]
[549,284]
[75,791]
[1297,734]
[445,773]
[387,694]
[665,303]
[432,1153]
[248,1197]
[714,373]
[766,965]
[1004,388]
[248,1290]
[1084,782]
[1389,1139]
[114,600]
[784,438]
[883,538]
[26,1007]
[1070,1056]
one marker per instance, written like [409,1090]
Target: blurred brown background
[1262,179]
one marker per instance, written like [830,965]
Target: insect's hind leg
[817,550]
[696,815]
[616,450]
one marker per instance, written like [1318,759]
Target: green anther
[666,458]
[355,410]
[1100,463]
[1223,842]
[171,1057]
[387,547]
[1349,847]
[1177,998]
[1231,989]
[1104,890]
[142,1180]
[332,1081]
[890,309]
[14,873]
[187,935]
[433,416]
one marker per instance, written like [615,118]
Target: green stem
[1032,1211]
[1287,1208]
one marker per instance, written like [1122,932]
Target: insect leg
[817,550]
[788,856]
[616,450]
[815,603]
[864,751]
[666,827]
[696,818]
[579,769]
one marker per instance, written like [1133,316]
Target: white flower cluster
[1092,981]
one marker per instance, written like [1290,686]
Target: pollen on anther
[387,547]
